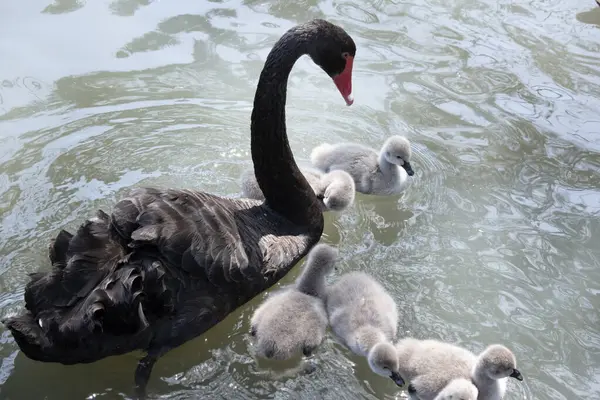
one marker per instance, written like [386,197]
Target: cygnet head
[340,190]
[322,257]
[498,362]
[458,389]
[383,360]
[396,150]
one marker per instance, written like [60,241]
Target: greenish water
[496,240]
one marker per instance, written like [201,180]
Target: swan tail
[59,247]
[318,156]
[127,300]
[79,263]
[97,294]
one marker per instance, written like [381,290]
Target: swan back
[361,313]
[430,365]
[338,190]
[458,389]
[287,323]
[353,158]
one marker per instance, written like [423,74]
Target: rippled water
[496,240]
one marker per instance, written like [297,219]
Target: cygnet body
[294,319]
[336,190]
[365,318]
[458,389]
[430,365]
[379,173]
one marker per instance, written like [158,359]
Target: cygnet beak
[408,168]
[517,375]
[397,379]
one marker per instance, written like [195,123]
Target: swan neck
[479,374]
[384,165]
[311,281]
[285,189]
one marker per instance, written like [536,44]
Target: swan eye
[345,55]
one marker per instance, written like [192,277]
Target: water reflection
[494,241]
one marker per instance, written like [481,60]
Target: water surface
[496,240]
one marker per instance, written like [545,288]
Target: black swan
[167,265]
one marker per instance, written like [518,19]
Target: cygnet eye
[398,157]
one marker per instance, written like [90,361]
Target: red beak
[344,81]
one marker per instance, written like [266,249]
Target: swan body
[430,365]
[365,318]
[458,389]
[379,173]
[294,319]
[335,190]
[166,265]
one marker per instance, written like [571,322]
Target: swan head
[497,362]
[396,150]
[458,389]
[333,50]
[383,360]
[340,190]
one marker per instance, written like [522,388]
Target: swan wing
[197,231]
